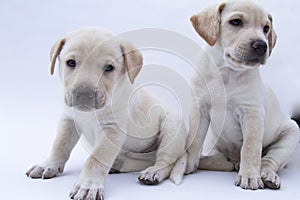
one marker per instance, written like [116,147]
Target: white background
[30,97]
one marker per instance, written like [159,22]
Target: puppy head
[240,29]
[92,62]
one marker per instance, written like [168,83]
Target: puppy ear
[133,60]
[207,23]
[272,36]
[55,51]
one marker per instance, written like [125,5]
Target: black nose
[259,47]
[87,97]
[84,92]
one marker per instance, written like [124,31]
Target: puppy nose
[84,92]
[260,47]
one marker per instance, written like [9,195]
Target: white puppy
[253,135]
[127,130]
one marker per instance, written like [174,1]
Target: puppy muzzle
[85,98]
[248,55]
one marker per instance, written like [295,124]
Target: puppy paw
[153,175]
[45,171]
[270,179]
[87,191]
[246,182]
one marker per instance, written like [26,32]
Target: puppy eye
[71,63]
[266,29]
[109,68]
[235,22]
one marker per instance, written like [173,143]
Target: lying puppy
[127,130]
[255,138]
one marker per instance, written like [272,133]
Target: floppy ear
[55,51]
[207,23]
[272,36]
[133,60]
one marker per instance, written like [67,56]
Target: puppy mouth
[245,63]
[88,108]
[84,108]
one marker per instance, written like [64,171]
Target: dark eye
[109,68]
[235,22]
[266,29]
[71,63]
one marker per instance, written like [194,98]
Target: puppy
[125,129]
[249,130]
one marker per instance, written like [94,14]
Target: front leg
[90,184]
[64,142]
[199,123]
[252,124]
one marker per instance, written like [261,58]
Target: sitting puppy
[253,135]
[127,129]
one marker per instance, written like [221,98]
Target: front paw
[153,175]
[192,164]
[87,191]
[249,182]
[270,179]
[45,170]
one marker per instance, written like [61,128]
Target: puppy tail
[178,170]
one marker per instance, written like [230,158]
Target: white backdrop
[31,98]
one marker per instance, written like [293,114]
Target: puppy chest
[88,126]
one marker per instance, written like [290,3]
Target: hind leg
[277,155]
[171,147]
[132,162]
[216,161]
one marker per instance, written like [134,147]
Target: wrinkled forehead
[245,9]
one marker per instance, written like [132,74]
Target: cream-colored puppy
[126,129]
[255,138]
